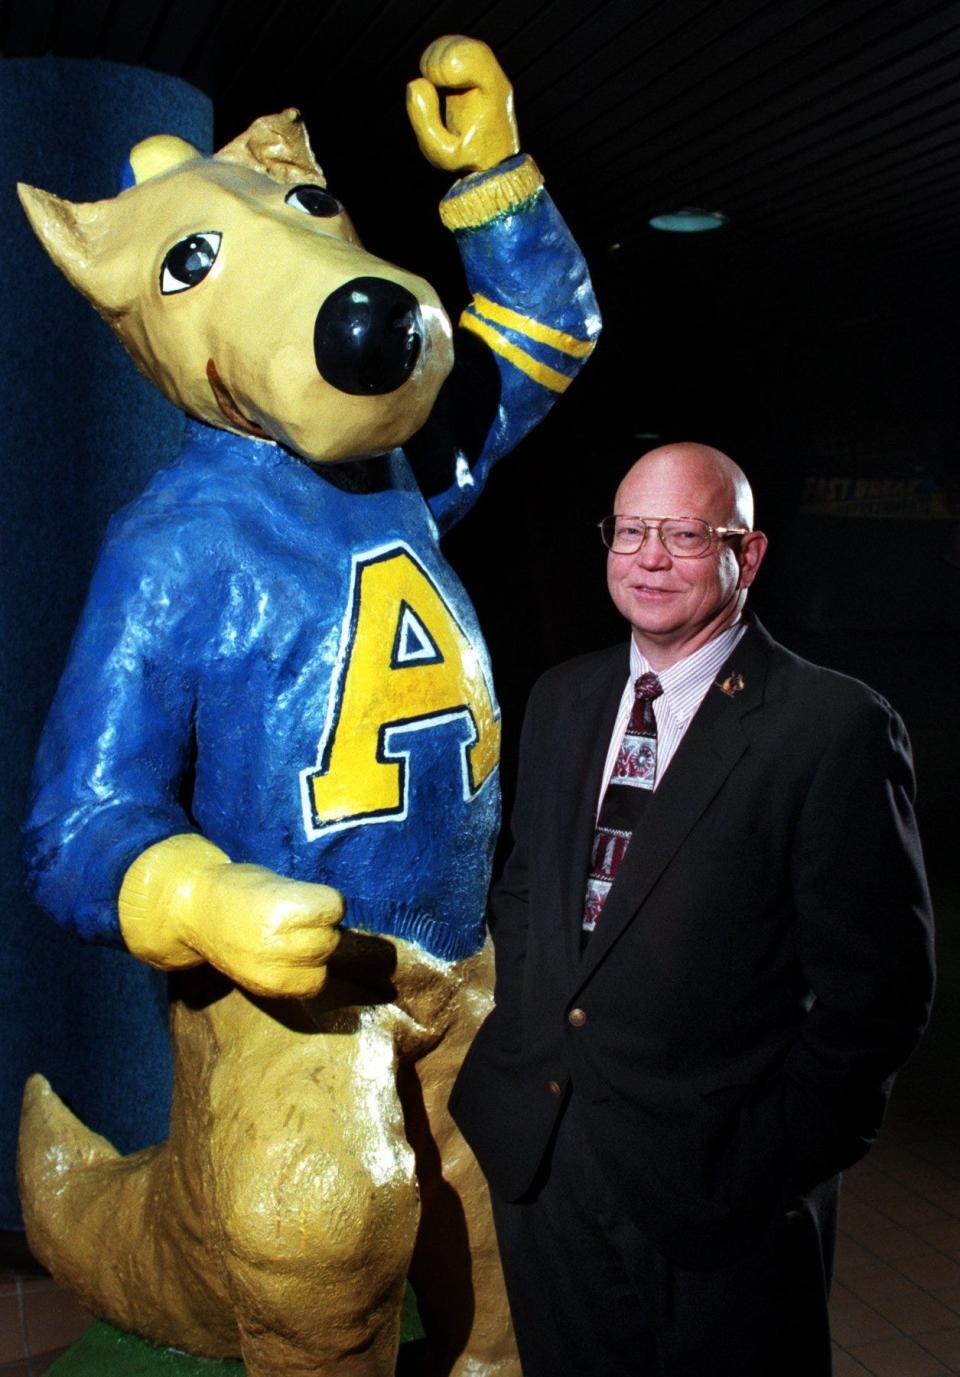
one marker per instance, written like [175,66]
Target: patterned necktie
[625,798]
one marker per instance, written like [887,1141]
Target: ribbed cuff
[477,200]
[155,889]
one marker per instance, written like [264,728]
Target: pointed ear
[278,146]
[72,234]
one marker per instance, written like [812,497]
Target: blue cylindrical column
[82,431]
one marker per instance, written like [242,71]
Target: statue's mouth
[229,408]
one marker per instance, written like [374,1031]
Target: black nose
[367,337]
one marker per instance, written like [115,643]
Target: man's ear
[753,547]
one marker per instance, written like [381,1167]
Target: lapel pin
[733,684]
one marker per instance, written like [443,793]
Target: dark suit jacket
[762,966]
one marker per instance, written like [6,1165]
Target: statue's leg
[314,1192]
[455,1269]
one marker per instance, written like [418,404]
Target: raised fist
[476,128]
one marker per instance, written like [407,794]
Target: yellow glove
[183,901]
[478,128]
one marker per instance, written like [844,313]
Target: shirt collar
[685,683]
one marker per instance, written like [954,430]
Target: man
[713,945]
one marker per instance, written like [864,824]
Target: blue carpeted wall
[82,431]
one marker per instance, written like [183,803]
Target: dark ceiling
[828,131]
[820,127]
[814,335]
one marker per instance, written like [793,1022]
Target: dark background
[814,337]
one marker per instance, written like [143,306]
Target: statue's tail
[107,1228]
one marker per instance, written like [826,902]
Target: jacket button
[554,1087]
[577,1017]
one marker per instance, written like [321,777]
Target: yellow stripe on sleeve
[542,373]
[533,329]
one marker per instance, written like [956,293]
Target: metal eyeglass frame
[713,533]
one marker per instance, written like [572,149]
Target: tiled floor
[896,1306]
[37,1322]
[896,1299]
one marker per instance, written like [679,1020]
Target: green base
[107,1352]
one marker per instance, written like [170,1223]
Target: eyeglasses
[684,537]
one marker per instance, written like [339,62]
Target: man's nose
[653,554]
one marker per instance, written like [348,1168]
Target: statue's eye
[315,201]
[188,262]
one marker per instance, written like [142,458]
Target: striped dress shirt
[684,686]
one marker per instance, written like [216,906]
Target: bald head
[708,481]
[676,602]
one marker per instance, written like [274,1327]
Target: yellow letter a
[405,663]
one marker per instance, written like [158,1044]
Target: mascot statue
[271,766]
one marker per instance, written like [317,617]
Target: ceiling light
[690,220]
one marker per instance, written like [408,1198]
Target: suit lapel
[711,746]
[590,718]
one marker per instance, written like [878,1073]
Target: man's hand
[477,128]
[183,902]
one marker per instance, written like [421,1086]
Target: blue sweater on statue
[286,663]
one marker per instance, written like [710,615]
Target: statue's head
[239,286]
